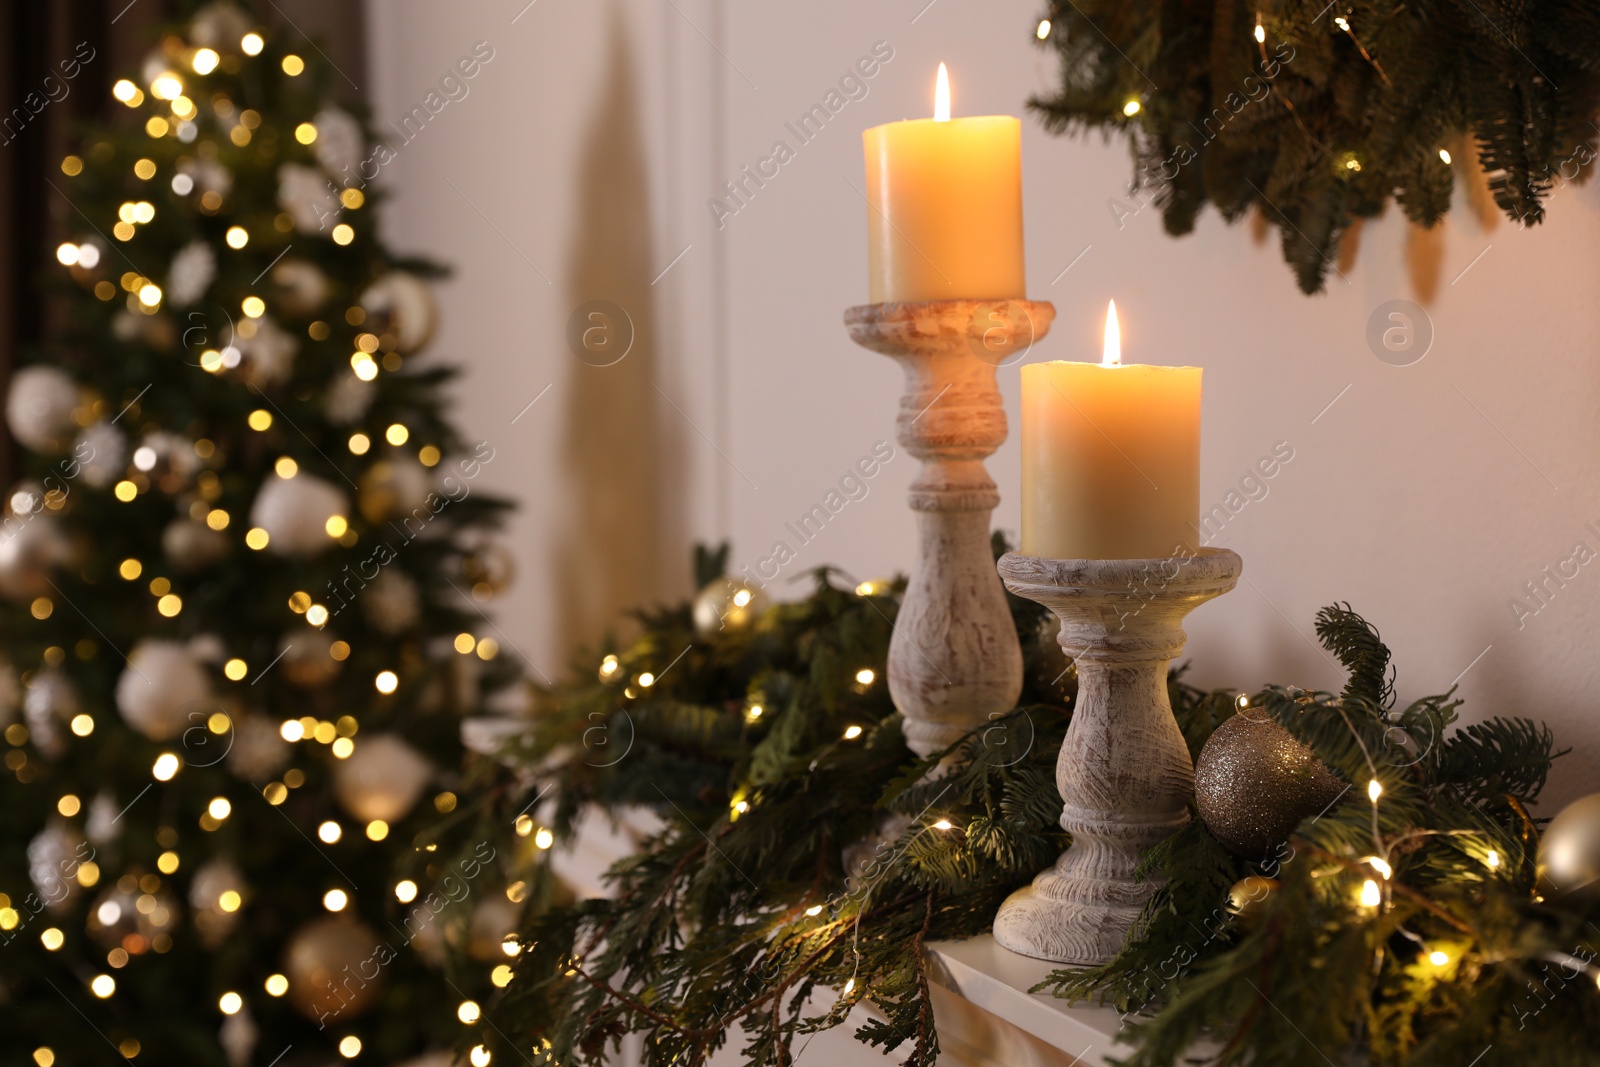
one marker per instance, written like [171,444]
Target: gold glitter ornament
[1569,850]
[1254,782]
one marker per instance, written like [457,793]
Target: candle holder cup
[954,659]
[1124,770]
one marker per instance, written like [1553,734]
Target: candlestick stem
[1124,770]
[954,660]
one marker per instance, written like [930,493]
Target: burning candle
[1110,457]
[944,197]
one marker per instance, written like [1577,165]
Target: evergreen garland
[1318,115]
[806,858]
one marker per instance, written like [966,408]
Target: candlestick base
[1124,770]
[954,659]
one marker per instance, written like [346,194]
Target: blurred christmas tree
[242,604]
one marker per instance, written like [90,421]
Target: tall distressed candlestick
[1124,770]
[954,659]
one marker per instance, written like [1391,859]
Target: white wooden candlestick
[1124,770]
[954,659]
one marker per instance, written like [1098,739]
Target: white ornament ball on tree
[213,881]
[303,192]
[401,305]
[54,856]
[303,287]
[340,146]
[28,555]
[220,26]
[382,779]
[258,751]
[392,602]
[51,700]
[40,408]
[268,351]
[193,546]
[348,400]
[295,513]
[194,268]
[162,685]
[102,454]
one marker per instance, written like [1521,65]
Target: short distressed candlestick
[1124,769]
[954,658]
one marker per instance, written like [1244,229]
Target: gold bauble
[335,969]
[488,570]
[1254,782]
[1248,895]
[726,604]
[398,486]
[1569,850]
[308,658]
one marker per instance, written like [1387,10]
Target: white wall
[1427,495]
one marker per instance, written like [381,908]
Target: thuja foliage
[1319,114]
[805,858]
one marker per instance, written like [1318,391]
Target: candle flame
[941,96]
[1113,349]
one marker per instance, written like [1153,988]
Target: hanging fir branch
[1317,115]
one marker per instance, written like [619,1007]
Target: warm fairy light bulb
[1342,23]
[125,90]
[852,732]
[1374,790]
[1111,354]
[350,1046]
[944,824]
[1381,865]
[468,1011]
[230,1003]
[1044,29]
[329,832]
[850,985]
[386,682]
[277,985]
[1132,108]
[941,95]
[67,254]
[405,892]
[1438,958]
[814,910]
[165,767]
[103,986]
[219,808]
[1492,859]
[335,899]
[1444,154]
[479,1056]
[166,87]
[543,838]
[250,44]
[865,676]
[1371,895]
[205,61]
[1261,34]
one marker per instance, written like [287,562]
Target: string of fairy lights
[1349,160]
